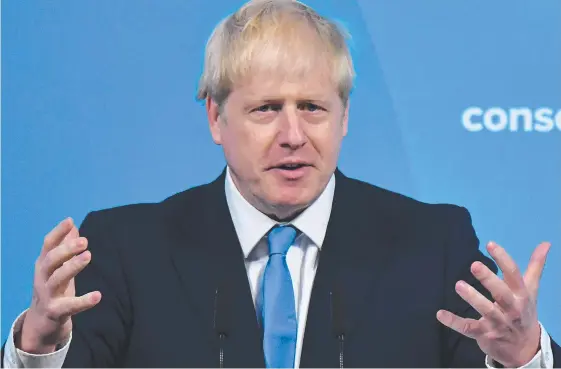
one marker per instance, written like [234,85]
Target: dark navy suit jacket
[392,261]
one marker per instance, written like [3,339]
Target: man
[282,261]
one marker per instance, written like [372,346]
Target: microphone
[221,320]
[338,320]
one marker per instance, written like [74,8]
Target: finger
[72,234]
[56,235]
[61,254]
[468,327]
[535,267]
[500,292]
[68,306]
[67,271]
[510,270]
[480,303]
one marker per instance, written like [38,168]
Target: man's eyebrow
[272,98]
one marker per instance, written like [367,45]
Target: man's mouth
[291,166]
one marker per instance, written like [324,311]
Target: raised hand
[48,322]
[508,330]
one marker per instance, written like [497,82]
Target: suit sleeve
[462,249]
[100,334]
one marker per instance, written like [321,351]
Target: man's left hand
[508,330]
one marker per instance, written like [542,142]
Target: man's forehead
[312,87]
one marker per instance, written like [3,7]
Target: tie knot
[280,239]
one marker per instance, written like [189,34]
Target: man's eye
[268,107]
[309,107]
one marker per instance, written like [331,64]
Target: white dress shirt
[252,227]
[302,258]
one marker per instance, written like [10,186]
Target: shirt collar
[251,224]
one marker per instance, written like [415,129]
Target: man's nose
[292,134]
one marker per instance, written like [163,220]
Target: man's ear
[213,114]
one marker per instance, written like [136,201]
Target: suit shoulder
[371,196]
[150,212]
[446,228]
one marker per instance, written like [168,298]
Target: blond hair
[273,36]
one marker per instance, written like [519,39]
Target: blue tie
[278,311]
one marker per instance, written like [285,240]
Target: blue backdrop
[455,102]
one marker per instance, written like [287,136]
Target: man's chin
[293,198]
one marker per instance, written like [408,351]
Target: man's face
[281,138]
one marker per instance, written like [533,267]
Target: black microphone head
[338,324]
[221,311]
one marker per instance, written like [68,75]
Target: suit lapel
[355,254]
[207,256]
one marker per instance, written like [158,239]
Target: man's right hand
[48,321]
